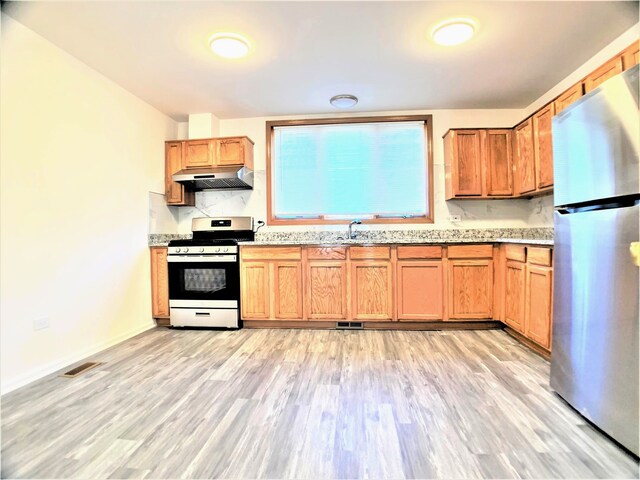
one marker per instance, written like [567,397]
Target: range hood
[215,178]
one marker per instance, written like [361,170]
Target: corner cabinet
[175,193]
[159,283]
[528,298]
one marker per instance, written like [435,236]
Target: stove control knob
[217,249]
[202,250]
[186,250]
[177,250]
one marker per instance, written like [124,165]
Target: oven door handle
[201,258]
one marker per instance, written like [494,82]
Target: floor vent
[349,325]
[74,372]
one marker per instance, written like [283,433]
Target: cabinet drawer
[326,253]
[369,252]
[539,256]
[271,253]
[515,252]
[420,252]
[470,251]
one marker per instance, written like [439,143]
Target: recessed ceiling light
[343,101]
[454,31]
[229,45]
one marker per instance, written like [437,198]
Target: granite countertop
[532,236]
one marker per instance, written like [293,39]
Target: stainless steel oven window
[205,280]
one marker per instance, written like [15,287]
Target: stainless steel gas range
[204,273]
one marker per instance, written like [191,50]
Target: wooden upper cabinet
[420,290]
[514,295]
[326,291]
[463,163]
[524,160]
[631,56]
[498,162]
[371,290]
[198,153]
[234,151]
[568,97]
[603,73]
[539,294]
[159,283]
[287,288]
[542,146]
[175,193]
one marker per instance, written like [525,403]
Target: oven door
[204,281]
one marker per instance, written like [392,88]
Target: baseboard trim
[543,352]
[52,367]
[310,324]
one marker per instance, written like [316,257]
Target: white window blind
[349,170]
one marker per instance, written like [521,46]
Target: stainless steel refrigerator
[594,360]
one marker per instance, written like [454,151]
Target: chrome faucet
[351,234]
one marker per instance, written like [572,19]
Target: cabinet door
[602,74]
[326,290]
[229,151]
[631,56]
[159,283]
[568,97]
[287,288]
[175,193]
[254,290]
[420,290]
[514,298]
[542,146]
[497,147]
[371,290]
[524,163]
[538,305]
[467,173]
[470,289]
[198,154]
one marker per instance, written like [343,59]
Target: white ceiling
[305,52]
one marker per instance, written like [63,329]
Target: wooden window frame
[428,130]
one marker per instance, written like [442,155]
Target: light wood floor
[305,404]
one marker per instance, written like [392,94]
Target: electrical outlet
[41,323]
[455,218]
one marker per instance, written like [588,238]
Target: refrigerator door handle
[634,249]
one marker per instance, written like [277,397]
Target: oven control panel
[208,250]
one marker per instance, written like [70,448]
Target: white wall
[78,157]
[475,214]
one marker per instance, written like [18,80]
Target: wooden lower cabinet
[254,290]
[159,282]
[271,290]
[514,295]
[326,291]
[420,290]
[470,289]
[287,290]
[371,290]
[539,291]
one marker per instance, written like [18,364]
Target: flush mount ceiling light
[229,45]
[343,101]
[453,31]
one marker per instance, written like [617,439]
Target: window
[375,169]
